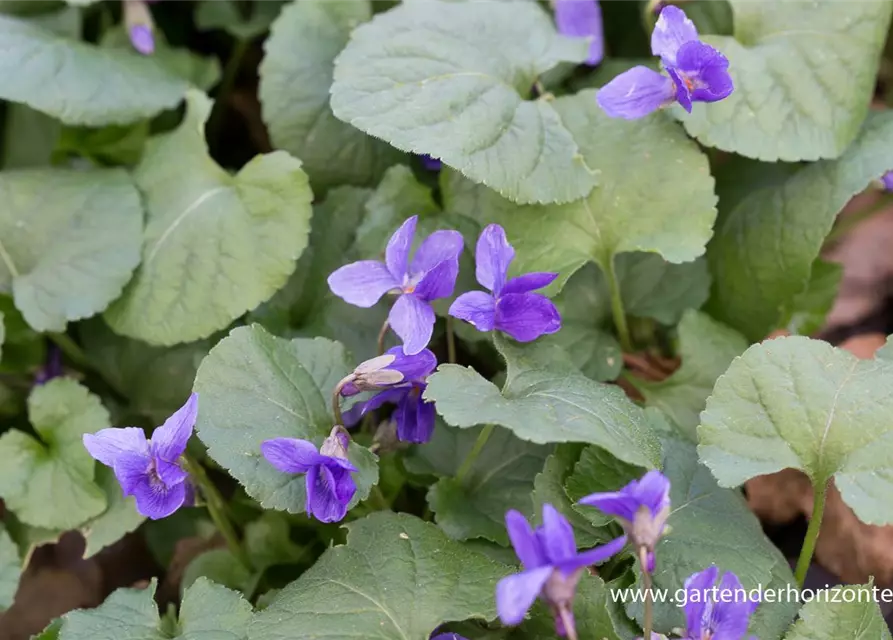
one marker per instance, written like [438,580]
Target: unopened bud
[373,374]
[335,446]
[140,26]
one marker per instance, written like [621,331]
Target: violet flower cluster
[583,19]
[150,470]
[696,72]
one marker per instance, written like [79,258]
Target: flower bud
[336,444]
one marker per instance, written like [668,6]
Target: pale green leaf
[452,80]
[255,387]
[768,239]
[219,566]
[119,518]
[620,215]
[215,245]
[10,569]
[500,479]
[397,578]
[29,137]
[268,542]
[808,310]
[48,482]
[772,619]
[804,74]
[227,15]
[845,611]
[803,404]
[212,612]
[707,348]
[80,83]
[545,405]
[69,241]
[295,78]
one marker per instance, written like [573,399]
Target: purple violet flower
[448,636]
[330,487]
[552,568]
[887,181]
[53,367]
[150,469]
[642,507]
[140,26]
[697,72]
[431,275]
[711,618]
[582,18]
[430,163]
[511,307]
[414,416]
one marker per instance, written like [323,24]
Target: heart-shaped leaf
[10,569]
[452,80]
[850,611]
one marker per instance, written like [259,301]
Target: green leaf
[397,578]
[707,348]
[51,632]
[155,380]
[48,482]
[767,240]
[808,309]
[405,77]
[500,479]
[597,471]
[591,613]
[772,619]
[803,404]
[850,611]
[2,334]
[268,542]
[10,569]
[29,137]
[545,405]
[69,241]
[112,145]
[226,15]
[618,217]
[119,518]
[93,87]
[788,105]
[295,78]
[208,610]
[215,245]
[219,566]
[255,387]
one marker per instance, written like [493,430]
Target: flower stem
[649,605]
[217,510]
[812,533]
[229,78]
[482,438]
[71,349]
[451,341]
[567,620]
[376,499]
[617,307]
[336,398]
[381,335]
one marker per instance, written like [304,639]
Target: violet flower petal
[107,445]
[729,620]
[142,39]
[322,499]
[516,593]
[439,246]
[397,251]
[169,440]
[477,308]
[556,536]
[290,455]
[132,469]
[582,18]
[170,473]
[156,501]
[672,30]
[696,589]
[431,164]
[524,540]
[653,491]
[529,282]
[636,93]
[614,503]
[439,282]
[413,320]
[596,555]
[683,93]
[415,418]
[887,180]
[362,283]
[707,70]
[526,316]
[493,255]
[345,487]
[356,412]
[414,367]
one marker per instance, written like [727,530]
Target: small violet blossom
[448,636]
[53,367]
[330,487]
[552,567]
[708,617]
[642,507]
[430,163]
[150,470]
[414,416]
[431,275]
[582,18]
[887,181]
[140,26]
[511,307]
[697,72]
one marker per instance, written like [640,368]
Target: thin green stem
[451,341]
[336,398]
[381,335]
[376,499]
[812,534]
[850,222]
[482,438]
[617,308]
[71,349]
[217,510]
[229,79]
[648,623]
